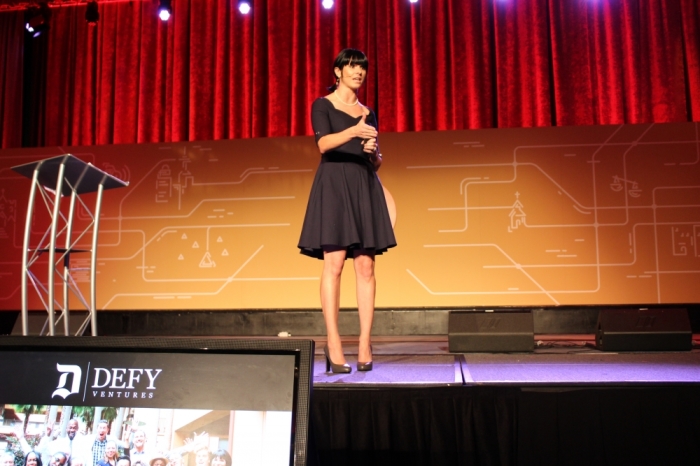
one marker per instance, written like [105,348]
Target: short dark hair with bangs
[348,57]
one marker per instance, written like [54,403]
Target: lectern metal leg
[52,248]
[66,265]
[25,251]
[93,262]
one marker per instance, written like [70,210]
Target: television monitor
[160,401]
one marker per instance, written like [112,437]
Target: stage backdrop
[569,215]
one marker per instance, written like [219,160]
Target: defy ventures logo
[106,382]
[124,383]
[65,371]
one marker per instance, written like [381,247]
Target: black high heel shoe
[335,368]
[365,366]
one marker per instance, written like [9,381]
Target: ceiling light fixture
[244,7]
[165,10]
[37,19]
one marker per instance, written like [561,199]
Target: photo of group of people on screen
[70,436]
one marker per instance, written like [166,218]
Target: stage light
[92,15]
[165,9]
[413,1]
[327,4]
[37,19]
[244,7]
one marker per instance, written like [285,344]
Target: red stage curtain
[11,41]
[211,73]
[690,12]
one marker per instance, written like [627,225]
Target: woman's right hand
[364,131]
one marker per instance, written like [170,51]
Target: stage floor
[555,362]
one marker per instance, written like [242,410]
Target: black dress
[347,207]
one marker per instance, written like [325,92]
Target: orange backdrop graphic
[506,217]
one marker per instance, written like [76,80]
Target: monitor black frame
[302,349]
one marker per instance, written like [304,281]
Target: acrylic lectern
[53,179]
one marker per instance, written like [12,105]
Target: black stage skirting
[482,425]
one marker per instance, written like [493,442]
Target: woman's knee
[333,262]
[364,266]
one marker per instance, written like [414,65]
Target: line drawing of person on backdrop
[347,214]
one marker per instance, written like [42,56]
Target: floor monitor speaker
[662,329]
[490,332]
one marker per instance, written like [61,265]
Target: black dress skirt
[347,208]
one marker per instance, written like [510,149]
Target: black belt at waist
[344,157]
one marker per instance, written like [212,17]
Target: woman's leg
[333,261]
[366,286]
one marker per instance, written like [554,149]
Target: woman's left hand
[370,145]
[372,148]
